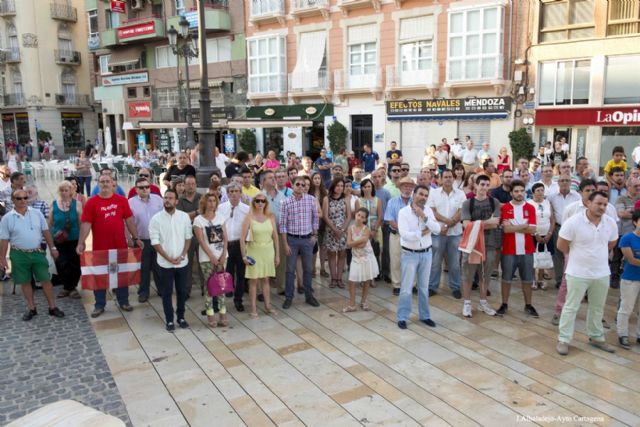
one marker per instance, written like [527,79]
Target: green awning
[315,112]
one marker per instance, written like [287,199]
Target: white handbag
[542,260]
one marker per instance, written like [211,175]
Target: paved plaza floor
[318,366]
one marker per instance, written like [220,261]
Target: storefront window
[622,85]
[626,137]
[273,140]
[8,128]
[72,132]
[22,127]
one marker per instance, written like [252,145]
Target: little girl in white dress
[364,267]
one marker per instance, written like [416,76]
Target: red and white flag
[110,269]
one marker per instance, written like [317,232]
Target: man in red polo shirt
[518,219]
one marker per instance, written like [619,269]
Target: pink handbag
[220,283]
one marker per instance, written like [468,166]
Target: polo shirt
[185,205]
[392,189]
[369,161]
[517,243]
[250,191]
[578,207]
[393,207]
[447,205]
[324,173]
[170,231]
[468,156]
[560,201]
[588,245]
[501,194]
[23,231]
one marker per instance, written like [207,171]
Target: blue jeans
[148,266]
[414,267]
[448,244]
[122,295]
[303,248]
[168,278]
[84,182]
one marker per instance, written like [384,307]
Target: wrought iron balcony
[7,8]
[14,99]
[67,57]
[64,12]
[73,99]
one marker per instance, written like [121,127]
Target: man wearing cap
[391,218]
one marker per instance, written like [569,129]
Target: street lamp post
[183,44]
[206,133]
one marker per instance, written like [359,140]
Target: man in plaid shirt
[35,202]
[298,228]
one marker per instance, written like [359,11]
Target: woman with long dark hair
[336,213]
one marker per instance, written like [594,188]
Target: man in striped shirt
[298,225]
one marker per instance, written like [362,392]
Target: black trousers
[236,267]
[68,264]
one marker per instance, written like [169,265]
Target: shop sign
[621,116]
[442,106]
[7,117]
[137,30]
[125,79]
[118,6]
[22,115]
[269,112]
[71,115]
[139,109]
[229,143]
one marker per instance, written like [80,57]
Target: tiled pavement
[317,366]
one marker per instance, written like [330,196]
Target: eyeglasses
[144,175]
[263,201]
[142,187]
[21,198]
[299,184]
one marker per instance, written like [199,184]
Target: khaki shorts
[484,270]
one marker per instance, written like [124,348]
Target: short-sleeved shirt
[482,211]
[232,169]
[213,233]
[630,240]
[394,154]
[625,225]
[393,208]
[107,217]
[176,171]
[324,173]
[518,243]
[589,245]
[612,164]
[369,161]
[23,231]
[501,194]
[447,205]
[187,206]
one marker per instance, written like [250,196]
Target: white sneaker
[466,310]
[486,308]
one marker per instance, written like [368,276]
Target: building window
[624,17]
[112,20]
[218,50]
[146,91]
[132,92]
[92,17]
[311,64]
[267,64]
[65,44]
[180,7]
[167,97]
[566,19]
[68,86]
[564,82]
[165,57]
[362,56]
[16,78]
[265,7]
[475,44]
[104,64]
[622,85]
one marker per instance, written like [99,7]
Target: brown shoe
[126,307]
[602,345]
[562,348]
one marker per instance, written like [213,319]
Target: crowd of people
[272,223]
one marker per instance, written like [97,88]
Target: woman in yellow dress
[260,250]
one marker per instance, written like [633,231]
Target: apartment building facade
[44,66]
[139,79]
[580,75]
[390,70]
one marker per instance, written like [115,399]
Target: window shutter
[362,33]
[419,27]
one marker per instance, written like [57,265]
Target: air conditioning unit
[137,4]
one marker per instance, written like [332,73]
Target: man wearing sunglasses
[24,228]
[146,174]
[144,206]
[392,185]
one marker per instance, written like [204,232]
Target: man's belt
[28,251]
[393,231]
[416,251]
[300,236]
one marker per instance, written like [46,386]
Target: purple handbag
[220,283]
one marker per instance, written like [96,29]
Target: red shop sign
[139,109]
[137,30]
[118,6]
[622,116]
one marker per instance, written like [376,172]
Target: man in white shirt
[564,197]
[550,186]
[456,152]
[522,170]
[469,157]
[587,186]
[416,222]
[234,211]
[221,161]
[587,237]
[170,234]
[446,204]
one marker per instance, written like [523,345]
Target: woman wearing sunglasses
[259,248]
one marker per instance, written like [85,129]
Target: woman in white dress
[545,223]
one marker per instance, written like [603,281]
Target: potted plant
[247,141]
[337,135]
[522,145]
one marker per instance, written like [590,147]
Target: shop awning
[195,84]
[250,124]
[125,56]
[448,117]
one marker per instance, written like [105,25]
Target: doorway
[361,133]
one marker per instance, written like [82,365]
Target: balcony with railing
[67,57]
[11,55]
[399,80]
[347,84]
[265,11]
[487,71]
[75,99]
[267,87]
[348,5]
[216,17]
[13,99]
[7,8]
[301,8]
[311,84]
[64,12]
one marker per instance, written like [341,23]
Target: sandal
[364,306]
[253,315]
[270,310]
[211,321]
[340,284]
[75,294]
[63,294]
[349,309]
[223,321]
[333,283]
